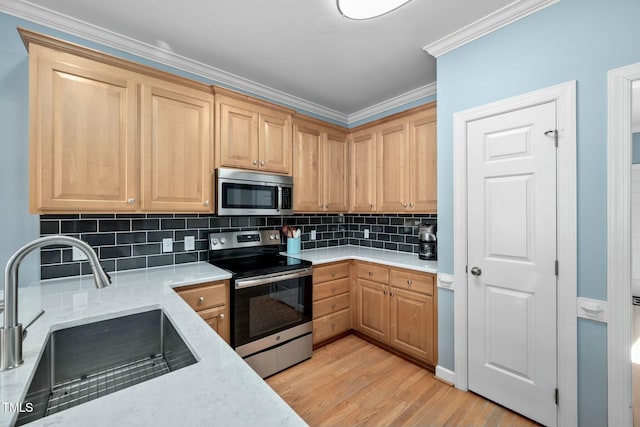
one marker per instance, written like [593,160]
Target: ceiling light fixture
[367,9]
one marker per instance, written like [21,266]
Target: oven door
[266,305]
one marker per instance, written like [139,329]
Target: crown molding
[483,26]
[395,102]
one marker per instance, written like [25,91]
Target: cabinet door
[275,143]
[307,191]
[336,157]
[237,134]
[393,169]
[363,172]
[372,316]
[218,319]
[412,327]
[177,166]
[423,166]
[83,134]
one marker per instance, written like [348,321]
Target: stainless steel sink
[89,361]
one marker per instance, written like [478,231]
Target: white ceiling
[301,48]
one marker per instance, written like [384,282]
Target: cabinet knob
[262,163]
[409,282]
[333,273]
[221,316]
[255,163]
[206,203]
[131,201]
[333,290]
[370,273]
[391,294]
[201,299]
[410,205]
[384,292]
[404,205]
[333,306]
[333,326]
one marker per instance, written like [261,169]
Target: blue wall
[636,148]
[571,40]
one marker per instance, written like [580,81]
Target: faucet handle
[31,322]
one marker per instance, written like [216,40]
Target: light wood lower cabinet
[211,302]
[398,307]
[331,301]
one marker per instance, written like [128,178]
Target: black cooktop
[250,266]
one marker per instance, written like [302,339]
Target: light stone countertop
[380,256]
[220,389]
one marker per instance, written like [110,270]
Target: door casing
[564,95]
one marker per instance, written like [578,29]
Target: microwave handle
[279,198]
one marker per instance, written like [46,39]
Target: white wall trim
[564,95]
[593,309]
[395,102]
[445,374]
[483,26]
[445,281]
[619,244]
[75,27]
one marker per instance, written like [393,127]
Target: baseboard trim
[445,375]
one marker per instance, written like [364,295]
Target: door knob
[476,271]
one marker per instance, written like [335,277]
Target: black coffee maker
[428,242]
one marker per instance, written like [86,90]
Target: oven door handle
[272,278]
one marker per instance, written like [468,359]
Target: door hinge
[553,132]
[466,269]
[557,267]
[557,396]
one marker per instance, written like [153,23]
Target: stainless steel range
[271,299]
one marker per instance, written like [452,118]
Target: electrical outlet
[77,254]
[189,243]
[366,233]
[167,245]
[313,235]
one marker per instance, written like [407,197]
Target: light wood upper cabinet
[108,135]
[177,148]
[252,134]
[423,164]
[363,171]
[83,126]
[321,156]
[393,168]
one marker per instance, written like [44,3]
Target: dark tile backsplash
[125,242]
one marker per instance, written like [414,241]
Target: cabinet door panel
[393,169]
[422,173]
[363,172]
[307,189]
[83,134]
[330,326]
[412,326]
[238,136]
[336,155]
[218,319]
[275,143]
[373,310]
[176,147]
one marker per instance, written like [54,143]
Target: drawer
[412,281]
[373,272]
[206,296]
[329,289]
[324,273]
[331,325]
[330,305]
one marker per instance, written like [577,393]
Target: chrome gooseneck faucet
[11,334]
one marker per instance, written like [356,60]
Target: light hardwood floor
[351,382]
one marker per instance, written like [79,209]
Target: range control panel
[243,239]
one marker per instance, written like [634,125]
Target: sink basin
[85,362]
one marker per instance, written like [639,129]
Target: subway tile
[257,222]
[390,230]
[107,252]
[322,244]
[391,246]
[172,224]
[202,245]
[185,258]
[124,238]
[308,245]
[405,248]
[370,220]
[365,242]
[160,216]
[412,240]
[115,225]
[383,220]
[50,257]
[100,239]
[148,249]
[49,227]
[377,244]
[315,220]
[109,265]
[272,221]
[179,235]
[384,237]
[334,242]
[156,261]
[220,222]
[55,216]
[396,221]
[397,238]
[67,255]
[59,270]
[97,216]
[79,226]
[198,223]
[131,263]
[353,241]
[130,215]
[203,255]
[157,236]
[239,222]
[178,246]
[145,224]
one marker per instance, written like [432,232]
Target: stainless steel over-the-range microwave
[243,192]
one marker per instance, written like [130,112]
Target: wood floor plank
[351,382]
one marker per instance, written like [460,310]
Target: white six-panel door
[511,159]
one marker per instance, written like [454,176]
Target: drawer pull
[201,299]
[333,306]
[333,326]
[409,282]
[333,290]
[333,273]
[371,273]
